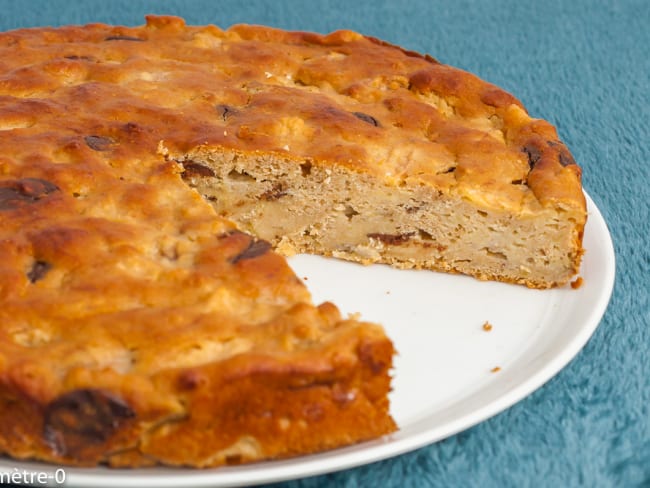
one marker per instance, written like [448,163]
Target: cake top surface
[340,98]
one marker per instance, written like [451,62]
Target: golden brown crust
[134,319]
[341,98]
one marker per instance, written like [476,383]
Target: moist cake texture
[147,172]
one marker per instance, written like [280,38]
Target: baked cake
[146,176]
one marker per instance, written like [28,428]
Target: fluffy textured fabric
[583,65]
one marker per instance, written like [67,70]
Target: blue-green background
[583,65]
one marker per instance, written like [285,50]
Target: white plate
[443,380]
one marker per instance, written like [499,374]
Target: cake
[153,178]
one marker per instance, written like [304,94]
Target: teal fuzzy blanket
[585,66]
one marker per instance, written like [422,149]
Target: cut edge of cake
[308,206]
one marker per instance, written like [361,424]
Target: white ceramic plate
[444,378]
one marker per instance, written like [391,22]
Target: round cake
[152,177]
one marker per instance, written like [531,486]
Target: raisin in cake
[145,174]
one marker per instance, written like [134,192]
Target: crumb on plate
[577,283]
